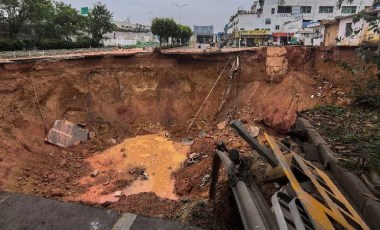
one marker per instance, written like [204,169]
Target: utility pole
[180,10]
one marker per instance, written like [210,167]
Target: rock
[222,125]
[167,135]
[202,134]
[95,173]
[91,135]
[118,194]
[187,141]
[56,192]
[145,176]
[254,131]
[85,151]
[112,141]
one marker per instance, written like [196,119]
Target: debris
[312,96]
[202,134]
[112,141]
[118,194]
[167,135]
[95,173]
[91,135]
[144,176]
[205,179]
[187,141]
[222,125]
[254,130]
[66,134]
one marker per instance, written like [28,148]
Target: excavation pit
[136,102]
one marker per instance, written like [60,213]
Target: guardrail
[42,53]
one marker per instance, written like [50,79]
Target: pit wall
[272,85]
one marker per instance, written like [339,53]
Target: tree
[99,22]
[59,21]
[18,12]
[164,28]
[185,33]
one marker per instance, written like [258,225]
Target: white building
[267,23]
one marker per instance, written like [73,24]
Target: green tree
[59,21]
[164,28]
[186,33]
[18,12]
[99,22]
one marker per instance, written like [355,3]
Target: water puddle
[155,153]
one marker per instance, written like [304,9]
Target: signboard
[281,34]
[84,11]
[252,32]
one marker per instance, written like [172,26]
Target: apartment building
[266,23]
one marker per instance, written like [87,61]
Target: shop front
[251,38]
[282,38]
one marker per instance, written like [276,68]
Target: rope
[204,102]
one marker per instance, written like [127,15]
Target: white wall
[255,21]
[353,39]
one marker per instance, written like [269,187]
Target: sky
[199,12]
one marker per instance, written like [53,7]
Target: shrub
[367,94]
[10,45]
[47,44]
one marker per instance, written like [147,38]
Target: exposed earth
[140,106]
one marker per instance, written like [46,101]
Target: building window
[284,10]
[273,10]
[305,9]
[348,29]
[267,21]
[326,9]
[348,9]
[277,27]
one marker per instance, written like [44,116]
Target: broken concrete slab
[66,134]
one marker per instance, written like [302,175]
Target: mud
[123,97]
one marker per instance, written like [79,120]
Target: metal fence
[41,53]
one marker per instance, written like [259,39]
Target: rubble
[95,173]
[66,134]
[222,125]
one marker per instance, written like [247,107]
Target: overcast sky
[199,12]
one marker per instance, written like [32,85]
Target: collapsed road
[150,123]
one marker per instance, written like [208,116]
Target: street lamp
[180,10]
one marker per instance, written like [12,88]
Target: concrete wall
[127,38]
[353,39]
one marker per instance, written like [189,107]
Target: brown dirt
[119,97]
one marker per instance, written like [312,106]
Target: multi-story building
[204,34]
[266,23]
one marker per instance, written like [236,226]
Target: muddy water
[155,153]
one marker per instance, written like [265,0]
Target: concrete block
[353,186]
[327,156]
[311,151]
[303,124]
[314,137]
[371,213]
